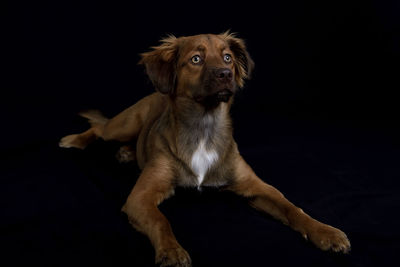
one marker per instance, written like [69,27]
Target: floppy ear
[160,64]
[243,63]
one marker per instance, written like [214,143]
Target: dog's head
[207,68]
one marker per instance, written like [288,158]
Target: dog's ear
[160,64]
[243,63]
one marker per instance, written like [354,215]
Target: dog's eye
[196,59]
[227,58]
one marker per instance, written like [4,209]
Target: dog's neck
[195,124]
[200,120]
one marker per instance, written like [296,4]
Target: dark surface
[319,121]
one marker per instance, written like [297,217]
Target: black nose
[224,75]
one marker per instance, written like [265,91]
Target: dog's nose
[224,75]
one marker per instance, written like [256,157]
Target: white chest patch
[202,160]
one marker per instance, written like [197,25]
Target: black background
[319,120]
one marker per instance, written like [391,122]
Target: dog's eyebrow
[223,48]
[201,48]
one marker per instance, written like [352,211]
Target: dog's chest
[202,160]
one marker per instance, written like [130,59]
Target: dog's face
[207,68]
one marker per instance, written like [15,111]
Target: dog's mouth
[224,95]
[214,99]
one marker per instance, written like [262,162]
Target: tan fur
[191,108]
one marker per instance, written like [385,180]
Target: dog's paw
[327,237]
[174,257]
[125,154]
[72,140]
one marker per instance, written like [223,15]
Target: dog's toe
[329,238]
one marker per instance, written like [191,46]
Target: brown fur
[192,106]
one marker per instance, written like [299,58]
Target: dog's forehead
[203,42]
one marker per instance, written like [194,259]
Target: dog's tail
[95,117]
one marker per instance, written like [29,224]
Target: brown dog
[184,138]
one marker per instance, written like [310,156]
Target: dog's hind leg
[97,121]
[78,140]
[127,125]
[124,127]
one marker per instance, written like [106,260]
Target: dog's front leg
[153,186]
[268,199]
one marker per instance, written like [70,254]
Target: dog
[184,138]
